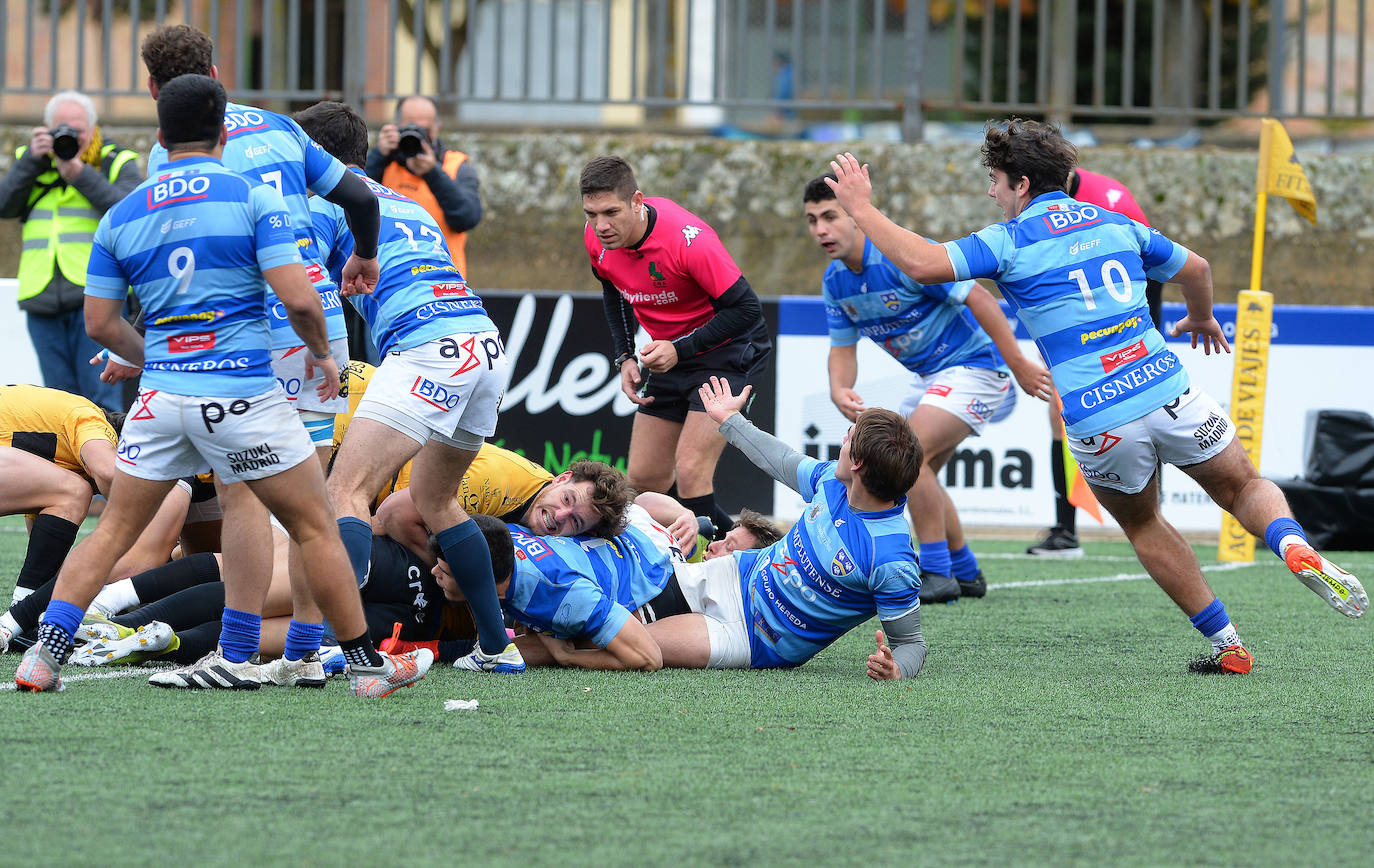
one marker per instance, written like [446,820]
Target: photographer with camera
[410,159]
[58,187]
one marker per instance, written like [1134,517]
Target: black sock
[360,652]
[1064,512]
[183,610]
[706,506]
[49,541]
[196,642]
[29,611]
[178,575]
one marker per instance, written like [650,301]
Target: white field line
[94,676]
[1119,577]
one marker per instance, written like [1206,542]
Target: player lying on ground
[1076,274]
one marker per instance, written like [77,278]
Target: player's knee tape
[320,426]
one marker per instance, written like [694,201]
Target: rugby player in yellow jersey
[57,450]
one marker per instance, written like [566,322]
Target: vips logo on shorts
[1057,220]
[434,394]
[842,565]
[191,343]
[176,189]
[1112,361]
[458,289]
[939,391]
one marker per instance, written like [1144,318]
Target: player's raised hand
[881,666]
[720,402]
[851,185]
[1209,330]
[359,276]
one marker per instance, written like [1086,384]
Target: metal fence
[708,62]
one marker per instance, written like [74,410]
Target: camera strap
[42,190]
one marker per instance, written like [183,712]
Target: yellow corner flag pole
[1281,174]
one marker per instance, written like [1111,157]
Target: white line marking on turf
[1119,577]
[1008,556]
[94,676]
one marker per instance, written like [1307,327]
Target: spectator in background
[60,184]
[784,85]
[410,159]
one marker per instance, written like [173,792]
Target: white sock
[1224,637]
[1291,539]
[7,621]
[19,594]
[116,597]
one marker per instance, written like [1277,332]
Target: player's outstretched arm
[631,649]
[913,254]
[1030,374]
[1195,279]
[906,654]
[768,453]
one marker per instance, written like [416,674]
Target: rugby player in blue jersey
[433,398]
[195,242]
[847,558]
[1076,274]
[943,333]
[272,148]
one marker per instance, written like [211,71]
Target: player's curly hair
[764,531]
[611,495]
[1033,150]
[177,49]
[889,451]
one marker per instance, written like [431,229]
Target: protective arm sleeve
[737,310]
[360,208]
[907,644]
[18,181]
[620,316]
[770,454]
[458,197]
[102,194]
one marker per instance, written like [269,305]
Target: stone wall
[750,191]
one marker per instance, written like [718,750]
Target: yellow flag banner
[1280,173]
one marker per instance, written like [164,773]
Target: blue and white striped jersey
[192,242]
[583,587]
[830,573]
[420,295]
[925,327]
[1076,274]
[273,149]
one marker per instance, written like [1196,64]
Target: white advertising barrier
[1321,359]
[21,363]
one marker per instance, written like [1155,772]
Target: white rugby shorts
[1188,430]
[976,396]
[711,589]
[447,390]
[288,366]
[170,436]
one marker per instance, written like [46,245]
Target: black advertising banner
[564,402]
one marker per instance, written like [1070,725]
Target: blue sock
[935,557]
[62,614]
[1211,619]
[357,539]
[1277,530]
[964,563]
[468,557]
[302,639]
[239,633]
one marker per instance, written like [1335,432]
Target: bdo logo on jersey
[1112,361]
[190,343]
[1059,221]
[434,394]
[842,565]
[178,189]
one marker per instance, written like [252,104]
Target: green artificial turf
[1054,724]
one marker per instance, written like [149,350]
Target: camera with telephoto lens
[66,142]
[413,138]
